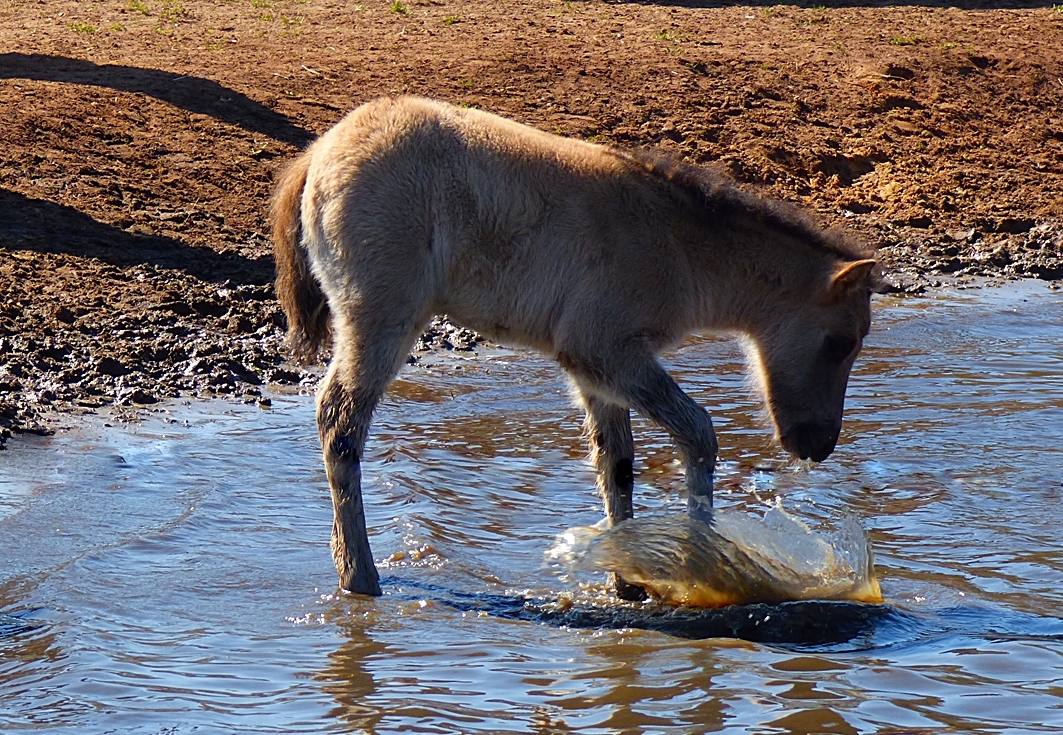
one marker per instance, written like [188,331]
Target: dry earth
[140,140]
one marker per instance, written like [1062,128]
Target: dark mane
[719,196]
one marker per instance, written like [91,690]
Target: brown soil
[141,139]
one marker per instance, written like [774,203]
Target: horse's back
[512,231]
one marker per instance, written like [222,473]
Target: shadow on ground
[45,227]
[195,94]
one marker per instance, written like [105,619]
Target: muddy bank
[143,139]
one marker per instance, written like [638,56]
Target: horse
[601,258]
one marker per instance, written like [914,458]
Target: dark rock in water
[442,334]
[802,624]
[810,623]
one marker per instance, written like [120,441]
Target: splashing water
[736,559]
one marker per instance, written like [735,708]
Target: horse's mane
[717,195]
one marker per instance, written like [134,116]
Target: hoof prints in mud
[1006,247]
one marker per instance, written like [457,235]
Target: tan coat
[598,257]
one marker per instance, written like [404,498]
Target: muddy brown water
[173,576]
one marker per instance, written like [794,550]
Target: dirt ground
[140,140]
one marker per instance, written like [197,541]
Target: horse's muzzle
[811,440]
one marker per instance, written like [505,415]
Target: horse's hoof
[628,592]
[362,584]
[699,508]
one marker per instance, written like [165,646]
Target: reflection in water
[174,575]
[347,677]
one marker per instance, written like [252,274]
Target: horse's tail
[297,290]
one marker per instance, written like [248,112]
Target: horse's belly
[502,321]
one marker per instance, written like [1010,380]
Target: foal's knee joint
[344,446]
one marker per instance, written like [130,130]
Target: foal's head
[802,354]
[804,295]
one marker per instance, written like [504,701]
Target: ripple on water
[165,577]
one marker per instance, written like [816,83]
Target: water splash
[737,559]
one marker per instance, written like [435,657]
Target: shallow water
[174,576]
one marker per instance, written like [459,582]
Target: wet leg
[608,430]
[343,413]
[357,378]
[646,386]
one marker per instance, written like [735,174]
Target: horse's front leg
[608,430]
[646,386]
[657,397]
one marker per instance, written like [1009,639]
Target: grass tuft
[174,11]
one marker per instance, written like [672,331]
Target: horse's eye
[838,347]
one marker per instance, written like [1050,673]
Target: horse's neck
[743,272]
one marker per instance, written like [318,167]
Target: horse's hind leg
[364,362]
[608,429]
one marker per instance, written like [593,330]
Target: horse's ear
[849,275]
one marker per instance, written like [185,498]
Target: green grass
[398,7]
[905,40]
[174,12]
[451,20]
[261,4]
[82,27]
[137,7]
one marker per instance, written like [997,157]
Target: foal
[598,257]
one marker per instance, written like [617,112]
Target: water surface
[174,575]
